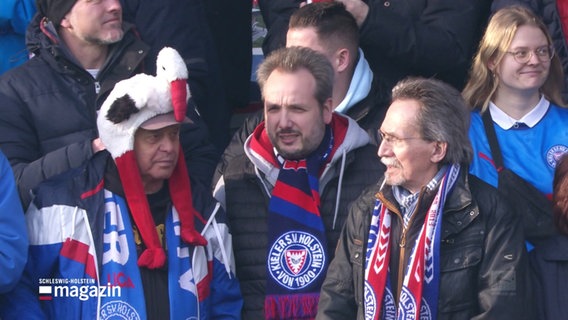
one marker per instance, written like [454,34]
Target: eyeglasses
[394,140]
[543,54]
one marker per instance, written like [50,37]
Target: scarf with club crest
[297,247]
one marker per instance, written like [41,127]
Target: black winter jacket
[484,265]
[48,106]
[247,202]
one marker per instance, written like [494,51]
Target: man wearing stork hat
[130,224]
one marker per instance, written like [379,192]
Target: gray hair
[296,58]
[443,116]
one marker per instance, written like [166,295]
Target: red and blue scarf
[419,293]
[297,254]
[297,247]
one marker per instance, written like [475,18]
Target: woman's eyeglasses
[543,54]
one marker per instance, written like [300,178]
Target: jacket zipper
[402,245]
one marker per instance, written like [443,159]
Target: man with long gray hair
[428,241]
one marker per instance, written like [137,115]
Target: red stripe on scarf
[297,197]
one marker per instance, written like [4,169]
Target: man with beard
[286,197]
[429,241]
[48,105]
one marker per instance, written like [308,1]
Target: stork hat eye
[121,109]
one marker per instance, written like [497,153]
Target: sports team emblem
[118,310]
[370,301]
[407,304]
[296,260]
[554,154]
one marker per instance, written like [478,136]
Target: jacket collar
[459,210]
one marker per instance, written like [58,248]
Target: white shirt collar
[530,119]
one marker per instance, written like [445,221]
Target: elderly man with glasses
[429,241]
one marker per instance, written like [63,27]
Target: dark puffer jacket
[483,262]
[48,106]
[247,208]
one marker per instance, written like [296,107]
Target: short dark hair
[292,59]
[443,115]
[331,21]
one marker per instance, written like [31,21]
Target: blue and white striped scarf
[119,262]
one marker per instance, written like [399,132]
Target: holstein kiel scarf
[120,267]
[419,294]
[297,257]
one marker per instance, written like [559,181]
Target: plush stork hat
[147,101]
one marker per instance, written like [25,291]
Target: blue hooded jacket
[13,234]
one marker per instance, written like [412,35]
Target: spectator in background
[550,260]
[13,234]
[519,126]
[184,25]
[130,220]
[286,197]
[428,241]
[402,38]
[554,14]
[15,15]
[48,105]
[329,29]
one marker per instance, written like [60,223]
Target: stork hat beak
[162,121]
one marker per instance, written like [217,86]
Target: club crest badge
[554,154]
[118,310]
[296,259]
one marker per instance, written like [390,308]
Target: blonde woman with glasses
[519,124]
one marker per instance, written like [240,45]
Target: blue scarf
[297,257]
[119,266]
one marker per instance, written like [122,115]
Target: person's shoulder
[366,154]
[31,70]
[366,200]
[479,187]
[485,195]
[561,111]
[74,184]
[239,166]
[476,124]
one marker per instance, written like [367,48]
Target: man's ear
[65,23]
[439,151]
[327,111]
[342,59]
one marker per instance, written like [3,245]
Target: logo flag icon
[45,293]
